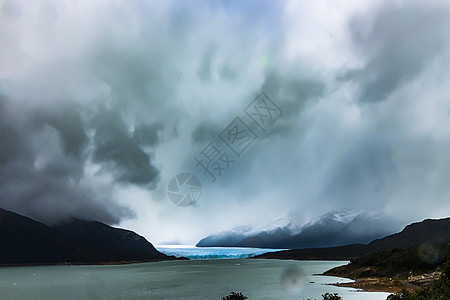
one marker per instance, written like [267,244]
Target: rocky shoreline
[388,284]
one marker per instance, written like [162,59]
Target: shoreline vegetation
[429,286]
[395,270]
[388,284]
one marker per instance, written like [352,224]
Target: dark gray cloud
[205,131]
[294,89]
[148,135]
[292,92]
[41,167]
[204,71]
[46,149]
[62,132]
[399,44]
[123,156]
[66,120]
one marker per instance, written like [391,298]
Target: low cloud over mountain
[331,229]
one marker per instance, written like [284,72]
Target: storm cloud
[400,43]
[103,103]
[41,168]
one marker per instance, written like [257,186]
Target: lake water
[195,279]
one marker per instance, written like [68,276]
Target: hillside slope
[413,235]
[26,241]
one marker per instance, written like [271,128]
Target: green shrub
[329,296]
[234,296]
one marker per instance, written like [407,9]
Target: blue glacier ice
[193,252]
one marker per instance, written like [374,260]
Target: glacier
[193,252]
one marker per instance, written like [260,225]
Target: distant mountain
[335,228]
[26,241]
[432,232]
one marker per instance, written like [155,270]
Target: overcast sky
[103,102]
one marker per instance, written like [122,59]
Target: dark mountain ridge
[428,231]
[26,241]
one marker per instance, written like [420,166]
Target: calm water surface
[195,279]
